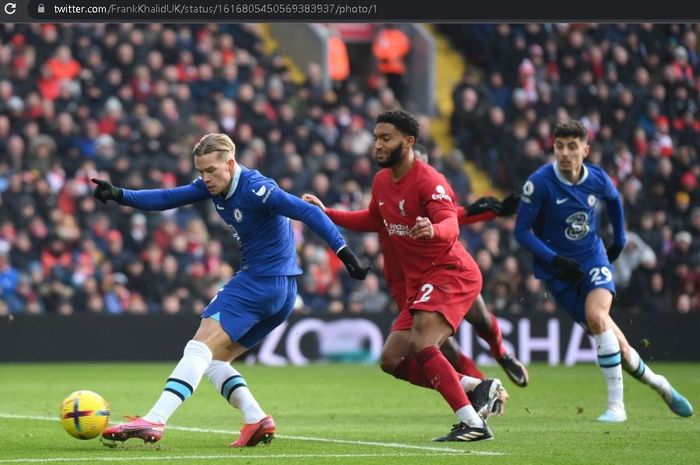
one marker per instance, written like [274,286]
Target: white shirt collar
[566,181]
[234,181]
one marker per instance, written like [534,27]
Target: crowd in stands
[128,102]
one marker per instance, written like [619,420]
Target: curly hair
[402,120]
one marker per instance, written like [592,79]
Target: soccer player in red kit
[411,200]
[484,322]
[487,395]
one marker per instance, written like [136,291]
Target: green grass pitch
[350,414]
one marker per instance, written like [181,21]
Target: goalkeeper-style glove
[568,268]
[349,259]
[106,191]
[614,251]
[509,205]
[483,205]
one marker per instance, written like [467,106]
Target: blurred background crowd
[127,103]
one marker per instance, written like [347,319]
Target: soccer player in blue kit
[556,223]
[258,298]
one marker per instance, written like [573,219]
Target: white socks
[182,382]
[468,383]
[468,415]
[637,368]
[233,388]
[610,362]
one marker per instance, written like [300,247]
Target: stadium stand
[127,102]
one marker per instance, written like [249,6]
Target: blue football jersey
[258,212]
[556,217]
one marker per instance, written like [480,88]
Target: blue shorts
[572,297]
[250,307]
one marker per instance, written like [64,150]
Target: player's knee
[597,320]
[416,345]
[596,326]
[389,362]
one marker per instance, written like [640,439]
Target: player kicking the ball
[255,301]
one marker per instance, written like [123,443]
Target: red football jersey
[424,192]
[363,221]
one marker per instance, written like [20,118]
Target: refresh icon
[10,8]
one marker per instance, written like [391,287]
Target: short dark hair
[573,128]
[402,120]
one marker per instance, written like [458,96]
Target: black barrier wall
[552,339]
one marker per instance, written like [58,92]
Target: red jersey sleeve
[435,193]
[465,218]
[360,221]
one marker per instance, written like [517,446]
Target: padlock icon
[40,8]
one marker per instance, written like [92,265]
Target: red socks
[466,366]
[493,337]
[409,370]
[442,376]
[430,369]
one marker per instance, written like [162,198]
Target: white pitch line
[212,457]
[393,445]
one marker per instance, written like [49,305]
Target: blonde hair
[214,142]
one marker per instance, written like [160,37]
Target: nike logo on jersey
[560,201]
[381,202]
[219,207]
[260,192]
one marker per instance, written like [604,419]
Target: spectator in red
[63,65]
[338,59]
[390,47]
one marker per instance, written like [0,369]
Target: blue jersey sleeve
[615,212]
[165,199]
[293,207]
[528,211]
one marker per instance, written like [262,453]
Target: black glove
[614,251]
[106,191]
[352,264]
[568,268]
[483,205]
[510,204]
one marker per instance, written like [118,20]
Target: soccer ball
[84,414]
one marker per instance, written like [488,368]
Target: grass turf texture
[347,414]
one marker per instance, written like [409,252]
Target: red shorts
[448,292]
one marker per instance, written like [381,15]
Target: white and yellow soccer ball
[84,414]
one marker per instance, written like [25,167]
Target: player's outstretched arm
[510,204]
[352,263]
[313,200]
[485,205]
[106,191]
[358,221]
[463,218]
[471,214]
[295,208]
[151,199]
